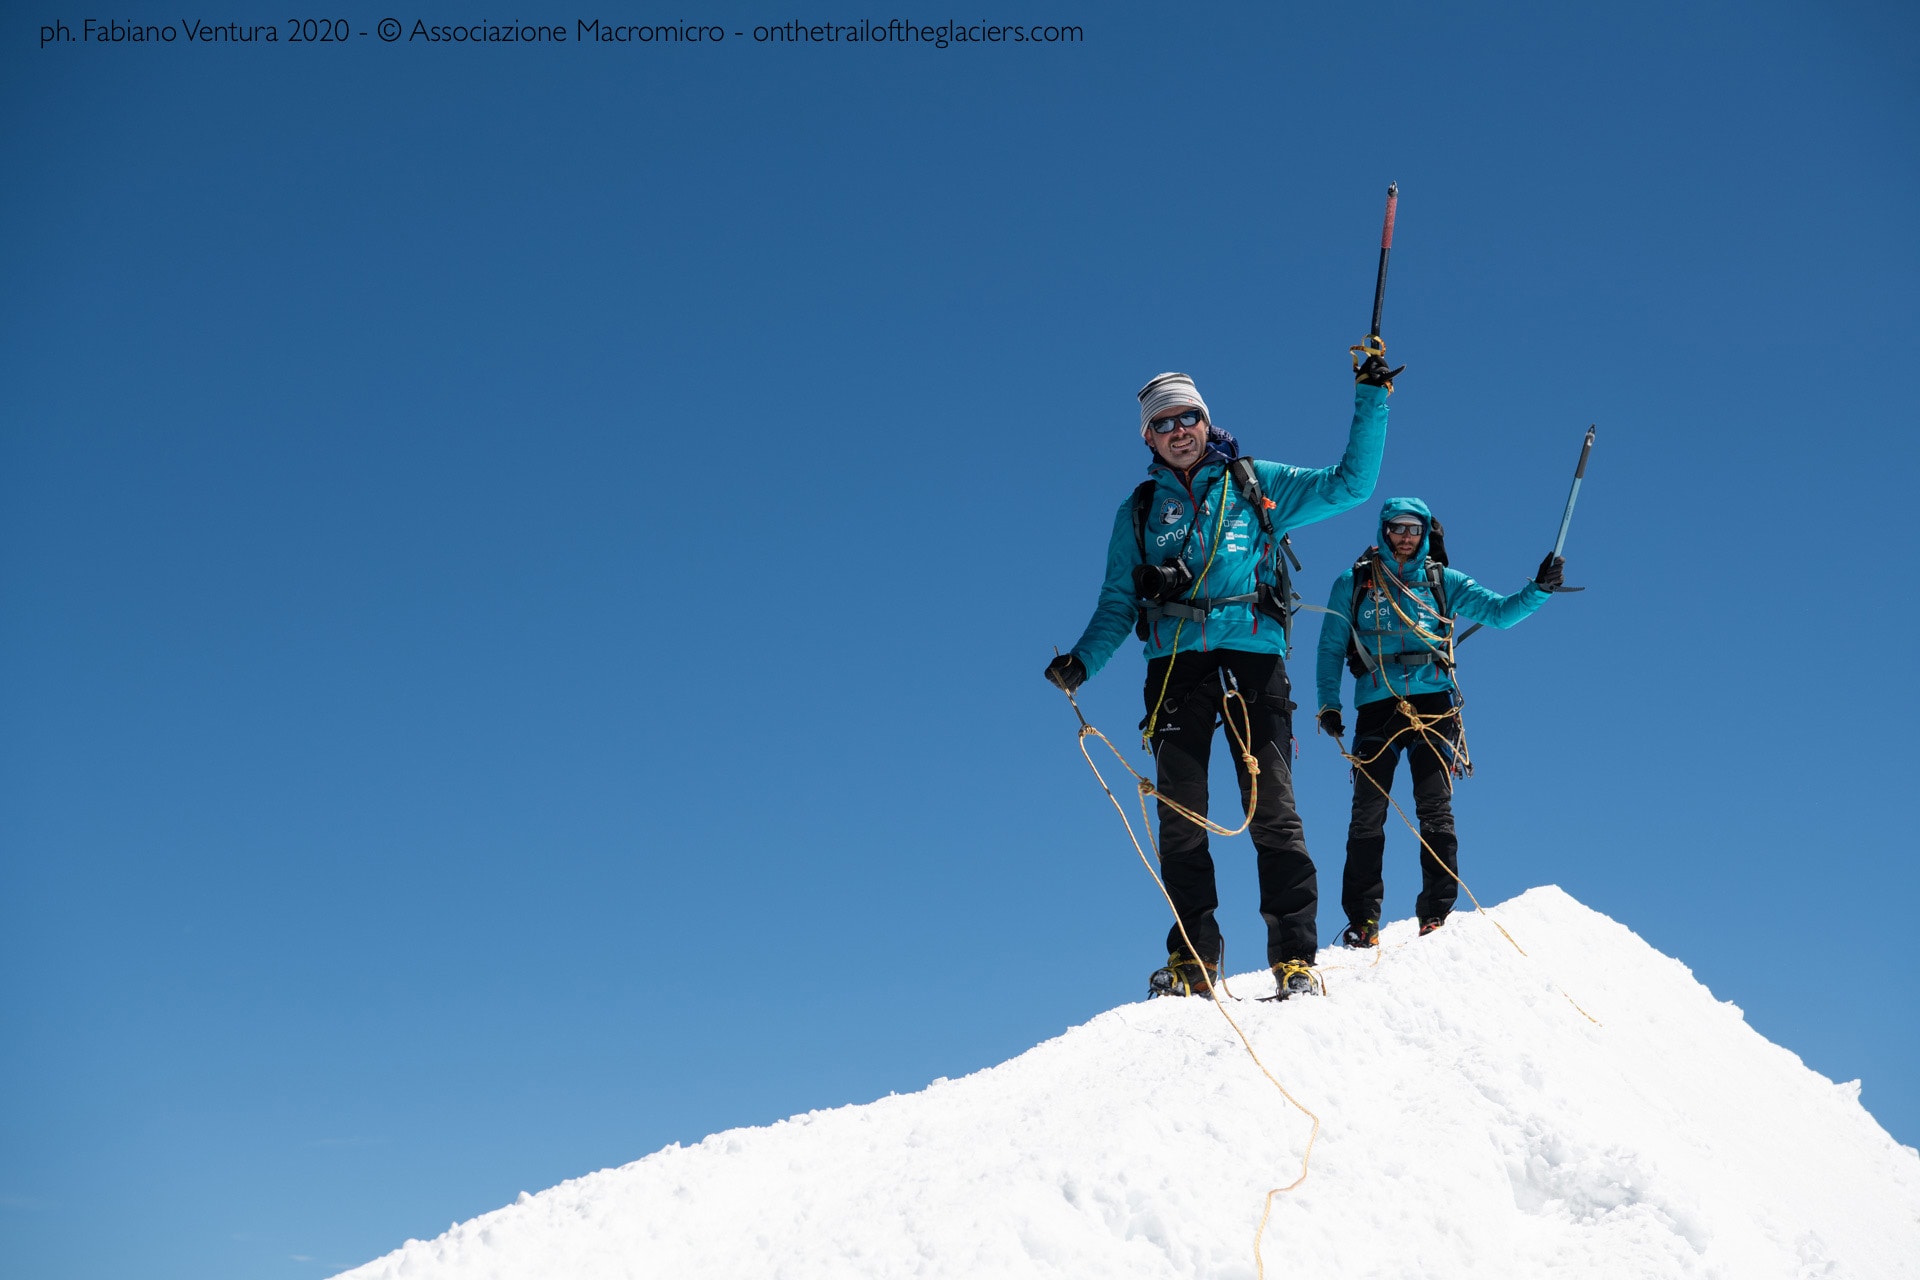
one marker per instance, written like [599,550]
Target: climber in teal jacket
[1395,632]
[1183,518]
[1196,569]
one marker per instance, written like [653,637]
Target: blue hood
[1396,507]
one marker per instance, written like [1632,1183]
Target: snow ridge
[1475,1125]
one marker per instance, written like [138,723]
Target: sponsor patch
[1171,510]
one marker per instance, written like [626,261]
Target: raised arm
[1114,613]
[1469,600]
[1302,495]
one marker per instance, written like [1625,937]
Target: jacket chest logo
[1375,610]
[1171,510]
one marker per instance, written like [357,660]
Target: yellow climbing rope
[1242,735]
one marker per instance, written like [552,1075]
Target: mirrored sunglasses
[1405,528]
[1190,418]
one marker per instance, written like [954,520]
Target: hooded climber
[1394,630]
[1195,567]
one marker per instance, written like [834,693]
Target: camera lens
[1162,581]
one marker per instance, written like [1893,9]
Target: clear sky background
[524,571]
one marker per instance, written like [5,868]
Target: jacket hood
[1398,507]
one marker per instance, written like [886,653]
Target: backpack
[1276,601]
[1359,661]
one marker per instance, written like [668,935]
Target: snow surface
[1475,1124]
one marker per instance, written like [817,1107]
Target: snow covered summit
[1475,1124]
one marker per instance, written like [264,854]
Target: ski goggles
[1406,528]
[1186,418]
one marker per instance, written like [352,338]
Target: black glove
[1373,372]
[1552,572]
[1067,671]
[1331,725]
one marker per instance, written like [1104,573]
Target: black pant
[1430,760]
[1182,744]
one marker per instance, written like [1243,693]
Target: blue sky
[524,571]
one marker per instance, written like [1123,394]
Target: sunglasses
[1189,418]
[1405,529]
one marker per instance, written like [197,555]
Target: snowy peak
[1584,1110]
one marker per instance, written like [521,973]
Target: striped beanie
[1165,392]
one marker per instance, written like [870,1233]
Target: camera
[1161,581]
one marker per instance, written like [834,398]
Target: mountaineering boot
[1430,923]
[1293,978]
[1183,976]
[1361,933]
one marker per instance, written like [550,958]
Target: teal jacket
[1385,631]
[1186,515]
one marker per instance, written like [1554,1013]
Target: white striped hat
[1165,392]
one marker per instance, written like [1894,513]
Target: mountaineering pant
[1430,760]
[1182,746]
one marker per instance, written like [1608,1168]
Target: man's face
[1403,537]
[1182,446]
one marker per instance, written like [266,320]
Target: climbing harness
[1438,644]
[1366,581]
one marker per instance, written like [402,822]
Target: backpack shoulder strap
[1362,579]
[1142,500]
[1437,583]
[1358,660]
[1247,480]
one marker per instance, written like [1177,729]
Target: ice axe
[1373,346]
[1566,519]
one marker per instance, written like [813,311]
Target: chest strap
[1198,610]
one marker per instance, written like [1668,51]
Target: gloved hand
[1552,571]
[1331,724]
[1067,671]
[1373,372]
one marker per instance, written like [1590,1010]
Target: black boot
[1183,976]
[1294,978]
[1361,933]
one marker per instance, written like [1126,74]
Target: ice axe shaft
[1386,248]
[1573,495]
[1074,702]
